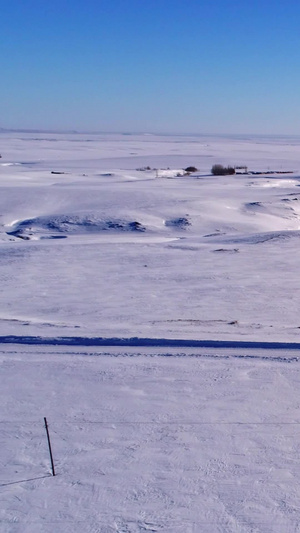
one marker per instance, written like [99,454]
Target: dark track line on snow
[145,342]
[274,358]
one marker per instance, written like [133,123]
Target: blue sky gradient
[171,66]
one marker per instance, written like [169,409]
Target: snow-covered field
[149,438]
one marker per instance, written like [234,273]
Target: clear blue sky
[177,66]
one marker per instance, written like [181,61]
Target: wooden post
[49,444]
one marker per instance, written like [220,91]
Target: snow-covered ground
[181,439]
[84,252]
[150,440]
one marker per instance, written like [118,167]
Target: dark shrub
[191,169]
[219,170]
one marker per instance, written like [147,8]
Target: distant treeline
[220,170]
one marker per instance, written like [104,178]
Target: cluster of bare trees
[219,170]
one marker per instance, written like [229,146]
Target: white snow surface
[106,250]
[149,438]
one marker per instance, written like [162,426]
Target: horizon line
[145,133]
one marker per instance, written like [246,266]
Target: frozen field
[188,438]
[150,440]
[106,250]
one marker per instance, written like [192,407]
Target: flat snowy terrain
[107,250]
[102,237]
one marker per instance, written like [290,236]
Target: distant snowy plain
[149,438]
